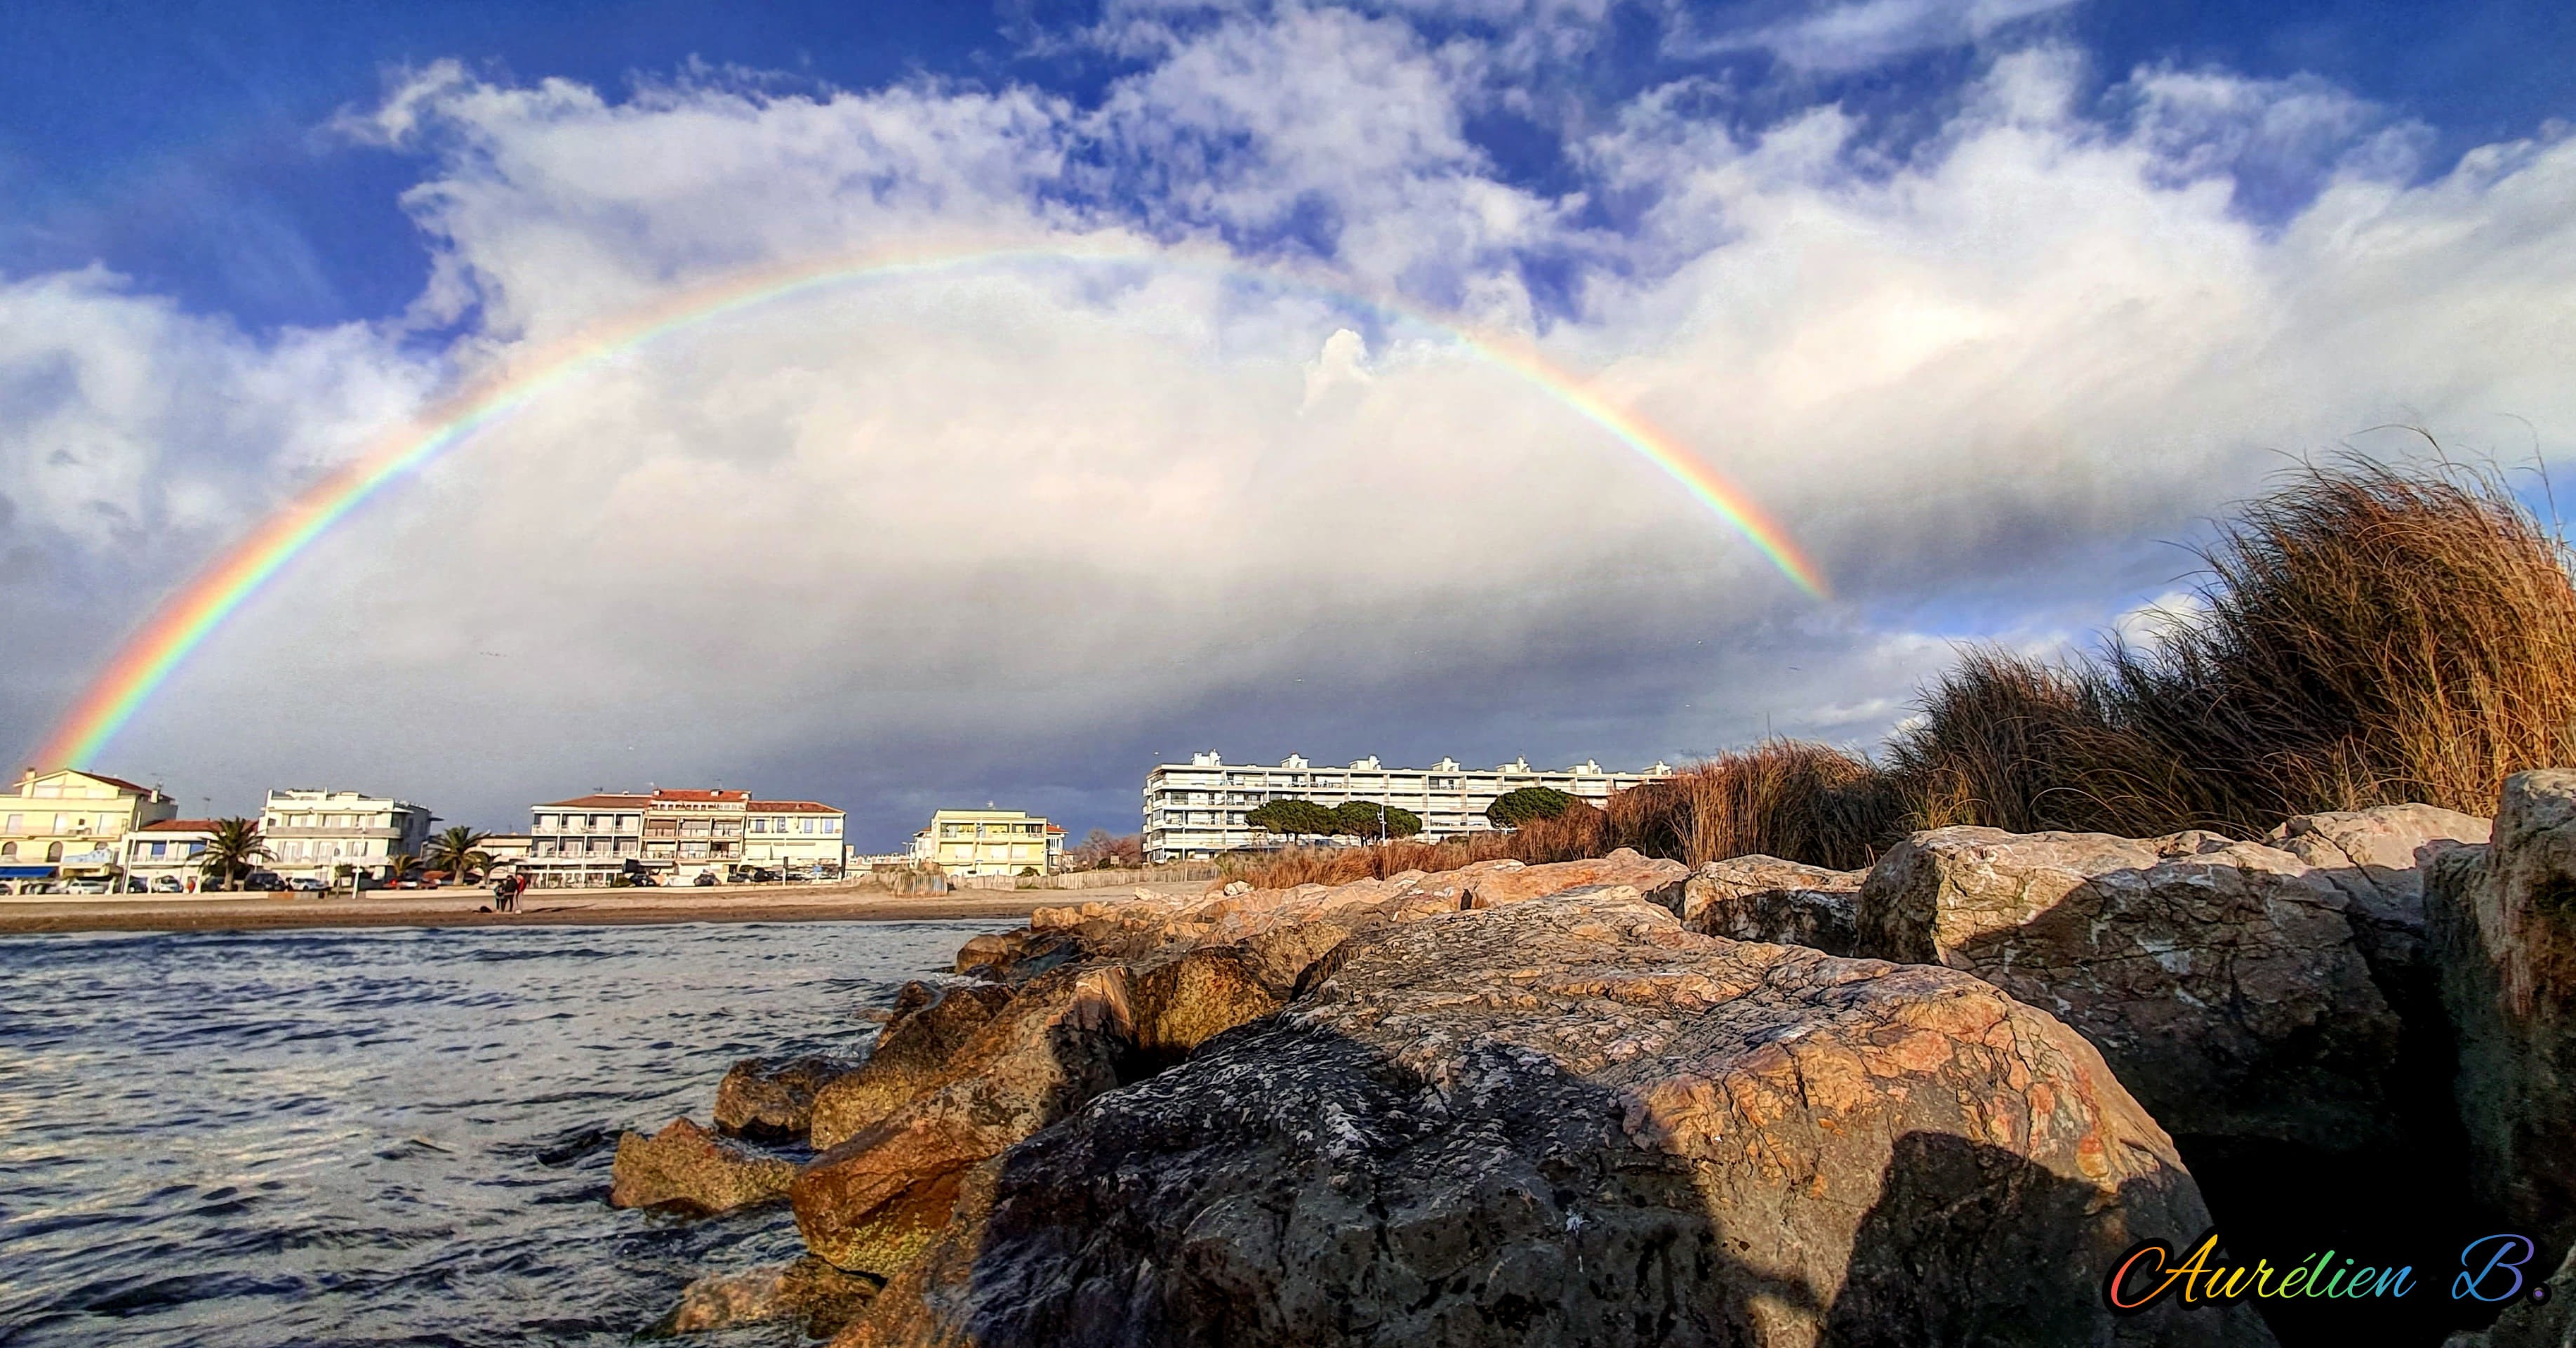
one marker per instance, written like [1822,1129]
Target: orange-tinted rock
[686,1167]
[814,1296]
[2221,979]
[931,1023]
[772,1100]
[1569,1121]
[1042,1055]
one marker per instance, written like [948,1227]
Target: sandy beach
[470,907]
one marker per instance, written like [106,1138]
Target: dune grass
[2368,635]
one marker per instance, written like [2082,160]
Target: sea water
[389,1136]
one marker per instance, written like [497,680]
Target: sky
[1993,306]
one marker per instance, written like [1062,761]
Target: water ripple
[387,1137]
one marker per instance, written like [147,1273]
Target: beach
[468,907]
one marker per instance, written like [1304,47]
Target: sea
[390,1136]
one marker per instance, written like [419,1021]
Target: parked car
[704,878]
[84,886]
[305,884]
[265,880]
[168,884]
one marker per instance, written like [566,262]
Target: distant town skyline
[1414,380]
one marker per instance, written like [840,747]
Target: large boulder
[931,1022]
[686,1168]
[2221,979]
[2379,858]
[1759,898]
[2501,928]
[1570,1121]
[772,1101]
[871,1202]
[1493,884]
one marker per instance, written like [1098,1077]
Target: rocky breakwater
[1569,1120]
[1507,1104]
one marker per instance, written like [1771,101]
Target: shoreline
[461,908]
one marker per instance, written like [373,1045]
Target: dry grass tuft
[2371,635]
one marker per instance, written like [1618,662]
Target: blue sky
[176,143]
[1991,303]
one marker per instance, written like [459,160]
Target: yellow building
[984,842]
[800,837]
[67,824]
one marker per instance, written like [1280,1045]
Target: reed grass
[2368,635]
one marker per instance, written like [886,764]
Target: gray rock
[2379,858]
[2501,933]
[1759,898]
[2221,979]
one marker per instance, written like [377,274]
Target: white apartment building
[1195,810]
[313,832]
[168,856]
[674,836]
[585,842]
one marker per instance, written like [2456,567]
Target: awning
[26,872]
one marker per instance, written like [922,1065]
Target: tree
[1515,808]
[1100,850]
[1296,818]
[1369,819]
[399,866]
[456,852]
[233,851]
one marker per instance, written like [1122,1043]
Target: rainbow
[188,617]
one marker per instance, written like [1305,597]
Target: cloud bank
[1023,528]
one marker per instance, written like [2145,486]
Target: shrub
[1369,819]
[1302,818]
[1515,808]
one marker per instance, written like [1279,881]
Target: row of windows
[162,851]
[276,821]
[992,830]
[63,823]
[9,851]
[57,791]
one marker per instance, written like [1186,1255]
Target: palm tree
[456,852]
[399,865]
[233,850]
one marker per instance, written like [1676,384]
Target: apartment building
[800,837]
[674,836]
[989,842]
[312,832]
[65,824]
[1195,810]
[585,842]
[166,855]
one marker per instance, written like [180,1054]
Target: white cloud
[1020,524]
[1835,37]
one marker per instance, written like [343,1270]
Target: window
[760,826]
[17,823]
[805,825]
[8,849]
[831,826]
[158,849]
[53,851]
